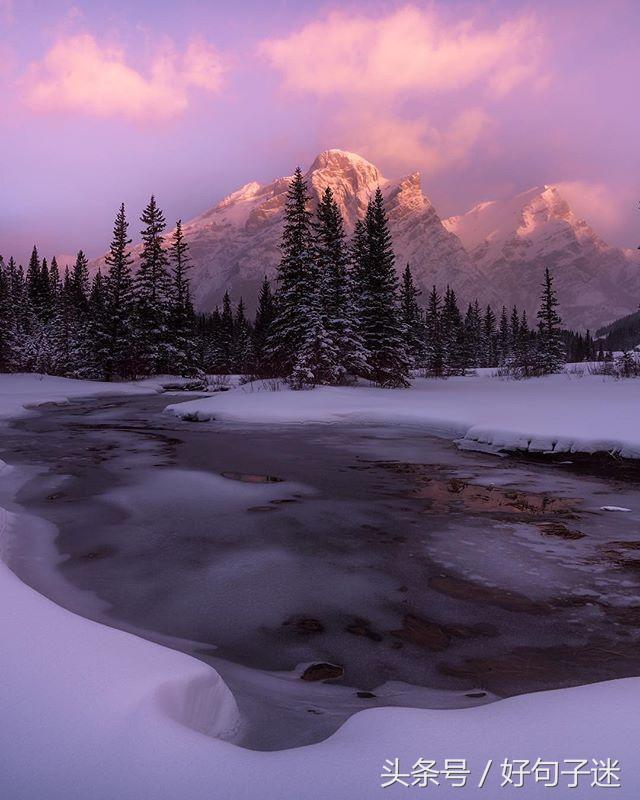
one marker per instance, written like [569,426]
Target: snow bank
[19,392]
[559,413]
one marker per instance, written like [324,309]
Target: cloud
[604,205]
[6,12]
[408,87]
[80,75]
[408,49]
[400,142]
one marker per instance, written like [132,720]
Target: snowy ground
[560,413]
[88,711]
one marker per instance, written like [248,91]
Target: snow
[90,711]
[614,508]
[19,392]
[564,413]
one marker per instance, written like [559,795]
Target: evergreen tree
[262,331]
[119,335]
[490,338]
[473,339]
[242,356]
[98,332]
[505,342]
[381,323]
[300,346]
[335,293]
[34,281]
[550,350]
[225,338]
[181,313]
[79,284]
[9,352]
[434,347]
[412,319]
[452,334]
[152,294]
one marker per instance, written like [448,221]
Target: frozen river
[421,574]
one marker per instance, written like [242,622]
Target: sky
[109,102]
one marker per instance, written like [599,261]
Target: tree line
[338,312]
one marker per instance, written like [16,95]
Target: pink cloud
[400,142]
[382,79]
[80,75]
[408,49]
[599,204]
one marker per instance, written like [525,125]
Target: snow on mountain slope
[512,241]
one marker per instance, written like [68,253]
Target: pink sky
[109,102]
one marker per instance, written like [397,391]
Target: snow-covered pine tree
[79,287]
[524,350]
[299,345]
[62,329]
[550,356]
[241,352]
[381,323]
[490,337]
[152,286]
[9,350]
[413,320]
[224,345]
[119,319]
[335,293]
[504,341]
[262,331]
[434,365]
[181,314]
[473,339]
[96,338]
[452,334]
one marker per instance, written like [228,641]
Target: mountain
[235,243]
[495,252]
[512,241]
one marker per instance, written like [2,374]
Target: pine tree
[181,314]
[262,331]
[381,324]
[224,359]
[241,355]
[79,283]
[550,350]
[412,320]
[34,282]
[452,333]
[152,294]
[335,293]
[490,338]
[9,352]
[435,352]
[97,335]
[299,335]
[505,343]
[473,339]
[119,335]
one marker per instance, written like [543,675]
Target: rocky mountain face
[512,241]
[235,243]
[496,252]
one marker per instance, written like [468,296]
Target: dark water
[432,576]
